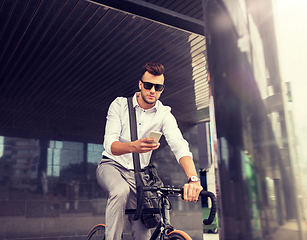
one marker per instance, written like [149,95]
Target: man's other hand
[191,191]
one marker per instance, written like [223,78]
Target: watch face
[194,179]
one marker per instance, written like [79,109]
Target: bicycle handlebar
[213,209]
[170,191]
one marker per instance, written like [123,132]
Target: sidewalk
[211,236]
[289,231]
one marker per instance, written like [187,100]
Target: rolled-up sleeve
[174,138]
[113,125]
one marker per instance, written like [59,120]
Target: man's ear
[140,85]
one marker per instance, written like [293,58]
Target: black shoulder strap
[134,137]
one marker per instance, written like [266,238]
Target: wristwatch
[194,179]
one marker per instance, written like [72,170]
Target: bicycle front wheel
[178,235]
[97,233]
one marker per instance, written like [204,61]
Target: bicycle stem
[166,212]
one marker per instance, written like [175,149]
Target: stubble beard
[144,99]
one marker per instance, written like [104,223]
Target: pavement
[211,236]
[290,231]
[285,232]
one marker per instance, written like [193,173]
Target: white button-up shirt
[159,118]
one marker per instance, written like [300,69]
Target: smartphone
[155,135]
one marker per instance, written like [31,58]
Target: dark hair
[156,69]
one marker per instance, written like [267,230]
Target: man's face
[150,96]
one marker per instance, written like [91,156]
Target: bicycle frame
[164,227]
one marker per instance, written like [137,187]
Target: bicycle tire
[178,235]
[97,232]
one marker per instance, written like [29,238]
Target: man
[115,172]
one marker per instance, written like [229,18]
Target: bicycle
[164,230]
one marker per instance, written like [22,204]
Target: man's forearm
[188,166]
[119,148]
[140,146]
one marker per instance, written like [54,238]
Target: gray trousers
[119,183]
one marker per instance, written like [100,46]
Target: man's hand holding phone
[144,145]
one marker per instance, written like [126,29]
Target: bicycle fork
[164,227]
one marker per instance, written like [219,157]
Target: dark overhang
[157,13]
[62,62]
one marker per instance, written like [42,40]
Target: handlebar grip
[213,207]
[140,202]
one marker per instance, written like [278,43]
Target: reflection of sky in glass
[63,154]
[1,145]
[290,23]
[94,153]
[290,20]
[54,158]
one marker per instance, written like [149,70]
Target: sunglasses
[148,86]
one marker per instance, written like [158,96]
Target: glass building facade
[63,62]
[259,182]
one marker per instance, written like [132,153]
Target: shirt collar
[135,103]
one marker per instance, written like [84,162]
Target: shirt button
[140,123]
